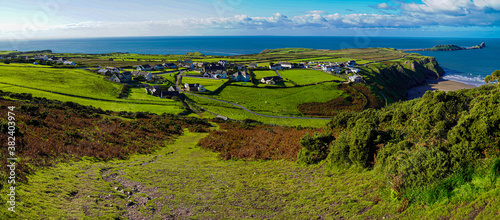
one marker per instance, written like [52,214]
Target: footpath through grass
[183,181]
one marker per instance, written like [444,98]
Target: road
[251,112]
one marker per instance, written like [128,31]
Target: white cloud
[431,13]
[458,7]
[383,6]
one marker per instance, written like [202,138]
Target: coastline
[437,84]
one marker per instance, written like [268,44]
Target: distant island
[448,47]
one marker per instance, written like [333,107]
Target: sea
[467,66]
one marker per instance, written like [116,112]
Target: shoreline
[437,84]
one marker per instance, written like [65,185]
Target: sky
[38,19]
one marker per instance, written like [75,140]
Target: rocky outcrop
[395,79]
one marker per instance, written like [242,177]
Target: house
[69,63]
[355,78]
[354,70]
[215,70]
[188,61]
[115,78]
[275,67]
[154,90]
[194,87]
[113,69]
[351,63]
[286,65]
[158,67]
[188,65]
[241,66]
[252,65]
[105,72]
[147,75]
[171,89]
[241,76]
[35,63]
[303,65]
[170,65]
[126,77]
[222,62]
[144,67]
[271,80]
[53,58]
[41,57]
[201,64]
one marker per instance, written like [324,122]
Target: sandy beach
[438,84]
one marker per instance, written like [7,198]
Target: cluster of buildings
[116,74]
[337,67]
[39,58]
[194,87]
[287,65]
[148,67]
[162,93]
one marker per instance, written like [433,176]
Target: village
[215,71]
[150,77]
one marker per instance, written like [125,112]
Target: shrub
[314,148]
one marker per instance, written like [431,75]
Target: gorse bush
[428,146]
[314,148]
[356,146]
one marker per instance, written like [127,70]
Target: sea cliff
[394,79]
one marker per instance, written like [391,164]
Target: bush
[314,148]
[358,146]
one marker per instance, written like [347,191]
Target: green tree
[495,76]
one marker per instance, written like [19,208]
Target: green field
[236,113]
[209,84]
[305,76]
[79,86]
[279,101]
[259,74]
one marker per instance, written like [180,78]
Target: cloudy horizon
[32,19]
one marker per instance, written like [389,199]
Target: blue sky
[35,19]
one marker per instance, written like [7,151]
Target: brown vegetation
[255,142]
[373,101]
[48,133]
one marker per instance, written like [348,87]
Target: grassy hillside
[79,86]
[279,101]
[412,139]
[305,76]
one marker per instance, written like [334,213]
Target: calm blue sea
[469,66]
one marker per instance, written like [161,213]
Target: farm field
[240,114]
[259,74]
[209,84]
[171,77]
[158,107]
[42,81]
[279,101]
[306,76]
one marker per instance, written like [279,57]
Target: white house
[42,57]
[355,78]
[252,65]
[144,67]
[286,65]
[69,63]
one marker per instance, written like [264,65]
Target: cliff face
[395,78]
